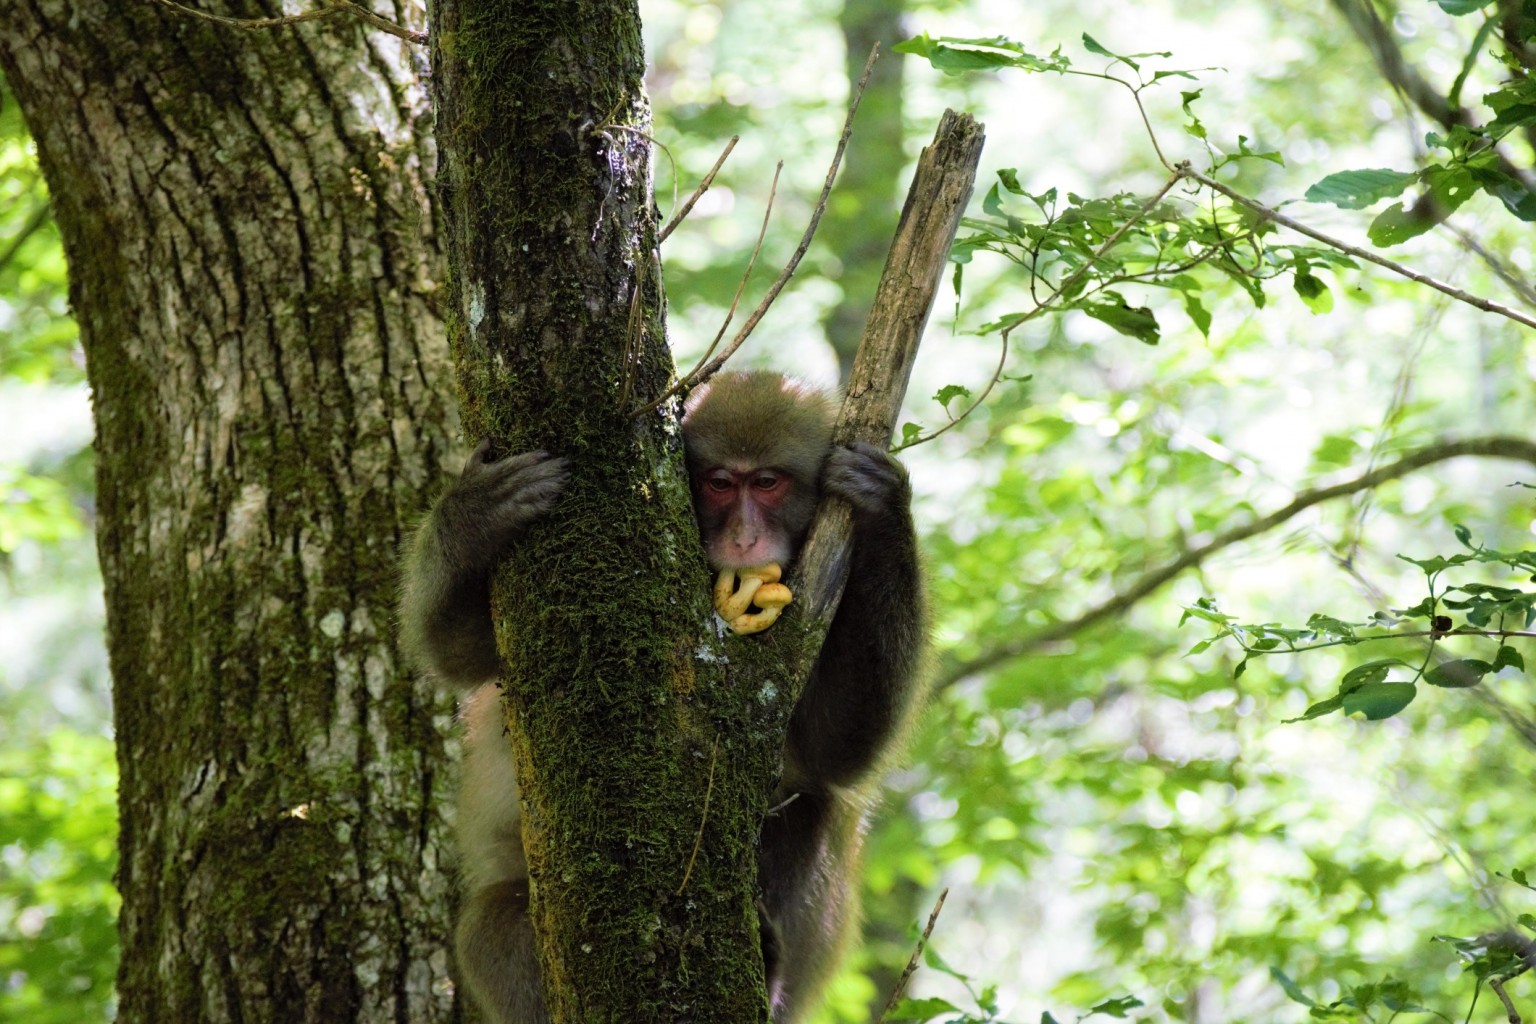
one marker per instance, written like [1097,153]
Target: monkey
[759,455]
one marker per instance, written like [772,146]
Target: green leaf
[1508,657]
[1355,190]
[992,202]
[955,60]
[1369,673]
[1197,313]
[1519,876]
[1458,674]
[1117,1007]
[1379,700]
[1270,155]
[949,392]
[1457,8]
[1092,46]
[1397,223]
[1313,292]
[1450,186]
[1517,199]
[1134,321]
[1289,987]
[1318,710]
[910,432]
[921,1009]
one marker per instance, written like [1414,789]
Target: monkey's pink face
[741,516]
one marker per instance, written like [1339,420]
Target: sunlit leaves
[1469,163]
[1355,190]
[1368,689]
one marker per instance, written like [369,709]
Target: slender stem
[912,961]
[709,179]
[1184,170]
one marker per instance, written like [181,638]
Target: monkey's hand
[868,478]
[738,590]
[494,500]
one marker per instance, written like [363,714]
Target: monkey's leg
[807,868]
[494,941]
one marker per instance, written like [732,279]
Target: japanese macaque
[759,458]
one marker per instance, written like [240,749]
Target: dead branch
[941,186]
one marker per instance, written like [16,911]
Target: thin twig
[911,968]
[954,421]
[701,374]
[332,7]
[1040,307]
[1184,170]
[1495,447]
[698,840]
[709,179]
[1509,1006]
[741,286]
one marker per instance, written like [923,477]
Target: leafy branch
[1490,610]
[1080,253]
[1123,600]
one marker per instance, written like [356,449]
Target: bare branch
[877,382]
[1496,447]
[699,376]
[917,953]
[709,179]
[730,314]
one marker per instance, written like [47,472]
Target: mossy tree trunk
[645,773]
[249,236]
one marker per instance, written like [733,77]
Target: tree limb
[941,186]
[1496,447]
[1406,80]
[1187,171]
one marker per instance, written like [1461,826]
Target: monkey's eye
[720,482]
[767,481]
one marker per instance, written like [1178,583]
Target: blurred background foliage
[1120,822]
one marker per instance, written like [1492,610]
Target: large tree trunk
[244,214]
[644,772]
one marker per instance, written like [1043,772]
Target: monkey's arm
[866,679]
[445,613]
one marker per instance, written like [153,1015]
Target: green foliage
[58,908]
[1080,254]
[1490,611]
[37,336]
[1468,163]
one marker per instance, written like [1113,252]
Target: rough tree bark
[632,747]
[249,239]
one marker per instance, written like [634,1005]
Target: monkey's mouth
[750,600]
